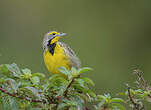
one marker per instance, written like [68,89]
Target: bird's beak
[61,34]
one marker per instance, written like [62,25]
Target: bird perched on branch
[57,54]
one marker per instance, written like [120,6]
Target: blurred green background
[111,36]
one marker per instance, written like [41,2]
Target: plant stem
[141,79]
[69,85]
[136,106]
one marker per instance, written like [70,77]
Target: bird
[57,54]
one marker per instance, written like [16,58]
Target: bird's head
[52,37]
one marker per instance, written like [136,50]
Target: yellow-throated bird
[57,54]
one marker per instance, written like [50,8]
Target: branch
[136,106]
[21,97]
[67,90]
[69,85]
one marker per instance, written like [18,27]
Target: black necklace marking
[51,47]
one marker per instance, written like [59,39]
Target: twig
[141,79]
[69,85]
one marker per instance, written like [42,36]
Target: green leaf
[2,80]
[70,102]
[84,69]
[108,96]
[79,82]
[13,84]
[146,93]
[36,109]
[6,103]
[34,91]
[117,106]
[91,93]
[74,72]
[79,88]
[9,103]
[113,100]
[14,69]
[57,79]
[64,70]
[88,80]
[101,104]
[3,69]
[26,71]
[35,80]
[82,96]
[13,104]
[53,77]
[132,91]
[101,97]
[30,106]
[24,83]
[77,98]
[61,106]
[138,91]
[41,75]
[75,108]
[10,70]
[122,93]
[79,85]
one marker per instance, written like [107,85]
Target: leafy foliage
[107,102]
[136,97]
[20,89]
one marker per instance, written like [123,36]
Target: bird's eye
[53,33]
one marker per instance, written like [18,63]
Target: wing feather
[75,62]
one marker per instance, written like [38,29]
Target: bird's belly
[53,62]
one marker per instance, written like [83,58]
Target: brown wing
[75,62]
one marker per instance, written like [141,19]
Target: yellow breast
[58,59]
